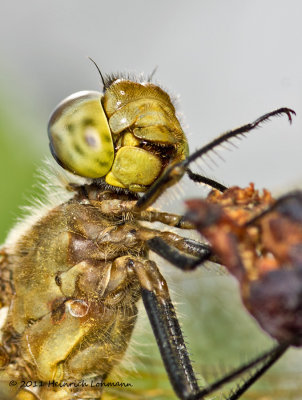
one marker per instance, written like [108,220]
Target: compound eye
[80,137]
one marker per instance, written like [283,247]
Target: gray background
[230,62]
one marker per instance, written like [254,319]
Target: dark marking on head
[78,149]
[101,163]
[88,122]
[70,128]
[106,139]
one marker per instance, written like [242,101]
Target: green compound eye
[80,137]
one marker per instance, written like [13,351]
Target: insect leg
[178,259]
[166,328]
[188,246]
[238,132]
[170,341]
[265,357]
[177,249]
[126,209]
[280,350]
[207,181]
[175,172]
[175,220]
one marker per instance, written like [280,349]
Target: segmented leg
[126,210]
[164,244]
[206,181]
[280,350]
[165,326]
[170,340]
[264,359]
[180,260]
[169,245]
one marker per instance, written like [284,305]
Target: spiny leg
[178,259]
[126,210]
[165,326]
[280,350]
[229,377]
[175,172]
[177,249]
[165,244]
[237,132]
[170,340]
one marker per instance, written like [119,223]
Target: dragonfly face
[72,278]
[126,136]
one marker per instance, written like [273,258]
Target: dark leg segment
[170,246]
[188,246]
[281,349]
[238,371]
[178,259]
[166,329]
[170,340]
[207,181]
[171,344]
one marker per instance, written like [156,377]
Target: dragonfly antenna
[97,67]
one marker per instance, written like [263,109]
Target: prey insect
[71,280]
[259,240]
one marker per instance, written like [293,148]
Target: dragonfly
[72,276]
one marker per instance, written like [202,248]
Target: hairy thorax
[73,307]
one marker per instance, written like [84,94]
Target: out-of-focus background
[229,61]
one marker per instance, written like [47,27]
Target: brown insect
[259,240]
[72,277]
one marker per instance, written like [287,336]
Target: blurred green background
[19,161]
[231,62]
